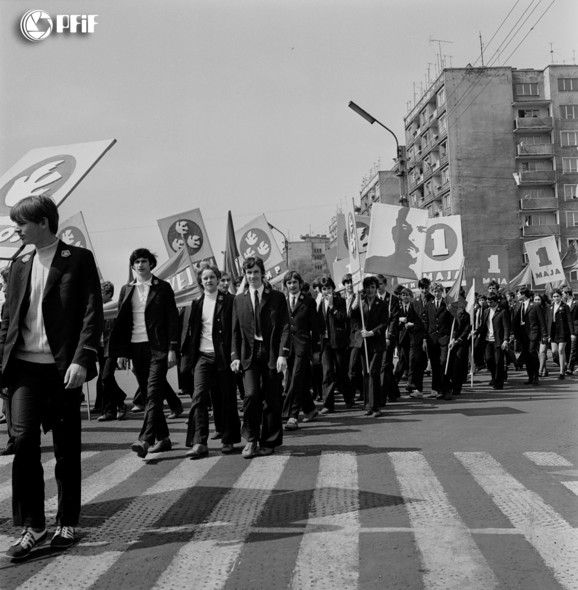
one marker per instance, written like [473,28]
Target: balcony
[532,123]
[538,204]
[543,149]
[537,176]
[540,230]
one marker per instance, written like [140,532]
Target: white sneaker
[416,395]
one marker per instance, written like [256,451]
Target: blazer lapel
[20,274]
[57,268]
[153,291]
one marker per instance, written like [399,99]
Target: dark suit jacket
[462,327]
[376,320]
[274,327]
[304,326]
[563,328]
[534,327]
[413,335]
[71,309]
[437,323]
[336,323]
[574,316]
[500,323]
[161,320]
[222,332]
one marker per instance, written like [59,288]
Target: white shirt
[490,336]
[139,300]
[34,346]
[208,313]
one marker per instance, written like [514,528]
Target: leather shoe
[265,451]
[292,424]
[377,414]
[199,450]
[141,448]
[161,446]
[121,411]
[326,411]
[9,450]
[216,436]
[106,418]
[250,450]
[311,416]
[536,381]
[175,413]
[227,449]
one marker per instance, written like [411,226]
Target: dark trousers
[209,378]
[458,367]
[262,420]
[335,374]
[438,356]
[494,357]
[151,372]
[530,356]
[372,379]
[417,365]
[112,395]
[389,386]
[38,399]
[355,371]
[298,396]
[172,399]
[402,366]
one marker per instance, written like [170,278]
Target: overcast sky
[242,105]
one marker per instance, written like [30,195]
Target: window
[447,201]
[570,192]
[566,84]
[569,111]
[445,175]
[443,125]
[534,193]
[572,242]
[527,89]
[441,97]
[535,165]
[574,275]
[569,164]
[540,219]
[571,218]
[569,137]
[528,113]
[535,139]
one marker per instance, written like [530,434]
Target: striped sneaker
[63,537]
[28,540]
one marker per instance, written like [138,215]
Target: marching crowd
[280,351]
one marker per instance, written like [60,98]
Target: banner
[362,223]
[443,250]
[73,231]
[187,230]
[52,172]
[522,279]
[544,260]
[396,241]
[255,239]
[353,245]
[494,264]
[231,262]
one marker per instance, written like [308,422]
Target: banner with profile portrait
[255,239]
[396,241]
[51,172]
[187,230]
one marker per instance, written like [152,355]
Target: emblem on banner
[73,237]
[255,242]
[185,232]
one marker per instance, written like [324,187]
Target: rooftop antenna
[440,55]
[551,53]
[482,49]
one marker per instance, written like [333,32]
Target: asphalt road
[475,493]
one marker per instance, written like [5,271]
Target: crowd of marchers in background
[288,354]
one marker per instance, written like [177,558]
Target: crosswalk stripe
[329,551]
[207,560]
[80,569]
[552,537]
[451,558]
[572,486]
[543,459]
[48,466]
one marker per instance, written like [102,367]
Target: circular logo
[72,236]
[441,242]
[255,242]
[36,25]
[42,178]
[185,231]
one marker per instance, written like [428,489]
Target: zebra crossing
[317,520]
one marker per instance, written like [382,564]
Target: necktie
[257,315]
[292,302]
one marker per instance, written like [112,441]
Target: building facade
[382,187]
[498,146]
[308,255]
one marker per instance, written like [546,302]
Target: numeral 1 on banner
[439,239]
[543,256]
[494,264]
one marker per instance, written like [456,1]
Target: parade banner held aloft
[187,230]
[73,231]
[544,260]
[494,264]
[362,223]
[353,245]
[256,239]
[443,249]
[396,241]
[51,172]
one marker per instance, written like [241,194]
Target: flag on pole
[523,278]
[231,263]
[471,300]
[454,300]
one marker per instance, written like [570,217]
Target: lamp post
[400,149]
[285,243]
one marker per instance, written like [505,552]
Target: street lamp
[400,149]
[286,243]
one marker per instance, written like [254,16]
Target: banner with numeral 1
[494,264]
[443,249]
[544,260]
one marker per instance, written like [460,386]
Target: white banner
[443,250]
[544,260]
